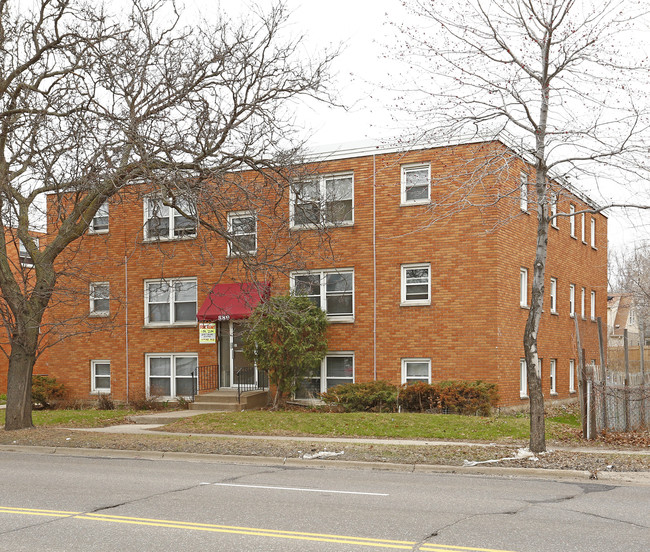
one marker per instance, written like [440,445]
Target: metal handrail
[246,380]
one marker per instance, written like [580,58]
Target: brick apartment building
[425,273]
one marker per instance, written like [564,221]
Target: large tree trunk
[19,387]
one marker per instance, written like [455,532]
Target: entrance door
[231,356]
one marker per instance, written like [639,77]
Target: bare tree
[561,78]
[94,105]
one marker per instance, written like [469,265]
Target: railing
[246,380]
[207,380]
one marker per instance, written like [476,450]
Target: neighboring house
[413,293]
[622,315]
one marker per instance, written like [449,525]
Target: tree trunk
[19,387]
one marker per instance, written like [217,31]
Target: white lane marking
[297,489]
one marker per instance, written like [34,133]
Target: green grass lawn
[76,418]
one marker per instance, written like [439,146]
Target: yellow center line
[250,531]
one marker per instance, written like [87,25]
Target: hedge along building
[421,258]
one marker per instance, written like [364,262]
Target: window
[171,301]
[572,221]
[326,200]
[582,228]
[582,303]
[331,290]
[523,379]
[554,295]
[416,180]
[99,224]
[593,232]
[553,376]
[523,192]
[592,309]
[100,376]
[99,299]
[166,223]
[572,300]
[416,284]
[554,210]
[23,256]
[335,369]
[523,287]
[172,375]
[242,230]
[572,376]
[416,369]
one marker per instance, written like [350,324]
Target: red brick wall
[472,329]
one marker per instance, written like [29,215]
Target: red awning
[233,301]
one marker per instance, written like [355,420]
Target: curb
[620,478]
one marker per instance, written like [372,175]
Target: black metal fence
[207,379]
[248,380]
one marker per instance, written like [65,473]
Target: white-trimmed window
[593,305]
[170,301]
[162,222]
[416,184]
[572,300]
[523,287]
[23,255]
[582,303]
[331,290]
[554,210]
[416,284]
[335,369]
[572,376]
[416,369]
[242,232]
[553,376]
[523,379]
[99,224]
[553,295]
[583,230]
[326,200]
[572,221]
[100,376]
[172,375]
[593,232]
[99,299]
[523,192]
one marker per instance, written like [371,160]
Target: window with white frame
[163,222]
[100,376]
[572,221]
[572,300]
[523,287]
[523,379]
[592,306]
[582,303]
[553,295]
[416,369]
[572,376]
[99,224]
[99,299]
[554,210]
[523,192]
[331,290]
[327,200]
[553,376]
[416,184]
[170,301]
[593,232]
[23,255]
[416,284]
[242,233]
[172,375]
[583,231]
[335,369]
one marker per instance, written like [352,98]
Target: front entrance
[231,356]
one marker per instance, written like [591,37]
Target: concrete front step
[226,400]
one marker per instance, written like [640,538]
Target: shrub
[105,401]
[3,397]
[374,396]
[459,397]
[46,391]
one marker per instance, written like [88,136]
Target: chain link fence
[617,406]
